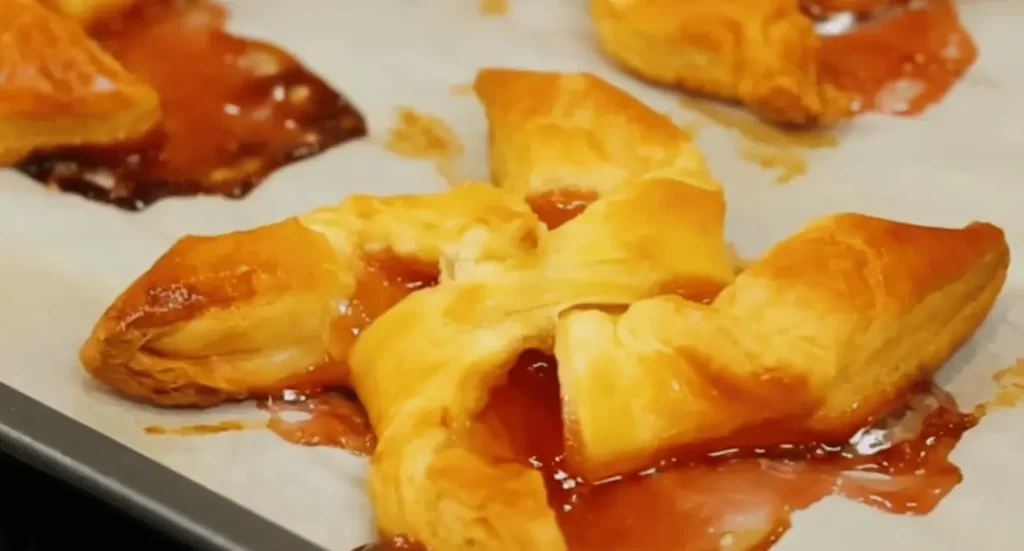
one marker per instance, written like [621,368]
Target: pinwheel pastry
[649,349]
[103,98]
[767,55]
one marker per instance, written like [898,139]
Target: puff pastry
[661,350]
[552,132]
[227,317]
[60,88]
[762,53]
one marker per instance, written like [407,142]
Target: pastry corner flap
[826,333]
[565,133]
[218,317]
[254,312]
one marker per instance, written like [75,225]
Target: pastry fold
[451,345]
[761,53]
[229,316]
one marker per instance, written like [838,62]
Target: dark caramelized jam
[904,64]
[325,419]
[234,110]
[555,208]
[900,465]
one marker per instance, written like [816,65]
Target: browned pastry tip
[278,307]
[898,300]
[761,53]
[216,318]
[576,133]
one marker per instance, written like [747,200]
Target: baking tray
[81,457]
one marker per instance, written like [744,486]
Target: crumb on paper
[422,136]
[761,143]
[461,89]
[756,130]
[739,263]
[1009,389]
[493,7]
[692,127]
[790,164]
[204,428]
[981,81]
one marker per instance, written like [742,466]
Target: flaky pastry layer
[60,88]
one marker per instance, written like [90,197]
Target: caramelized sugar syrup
[234,110]
[311,415]
[898,66]
[901,65]
[733,501]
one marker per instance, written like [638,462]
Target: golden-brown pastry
[230,316]
[60,88]
[559,132]
[762,53]
[813,341]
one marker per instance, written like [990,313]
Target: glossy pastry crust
[231,316]
[61,88]
[761,53]
[661,350]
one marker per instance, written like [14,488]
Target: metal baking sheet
[83,458]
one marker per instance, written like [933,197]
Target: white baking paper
[63,259]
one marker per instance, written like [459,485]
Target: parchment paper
[63,259]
